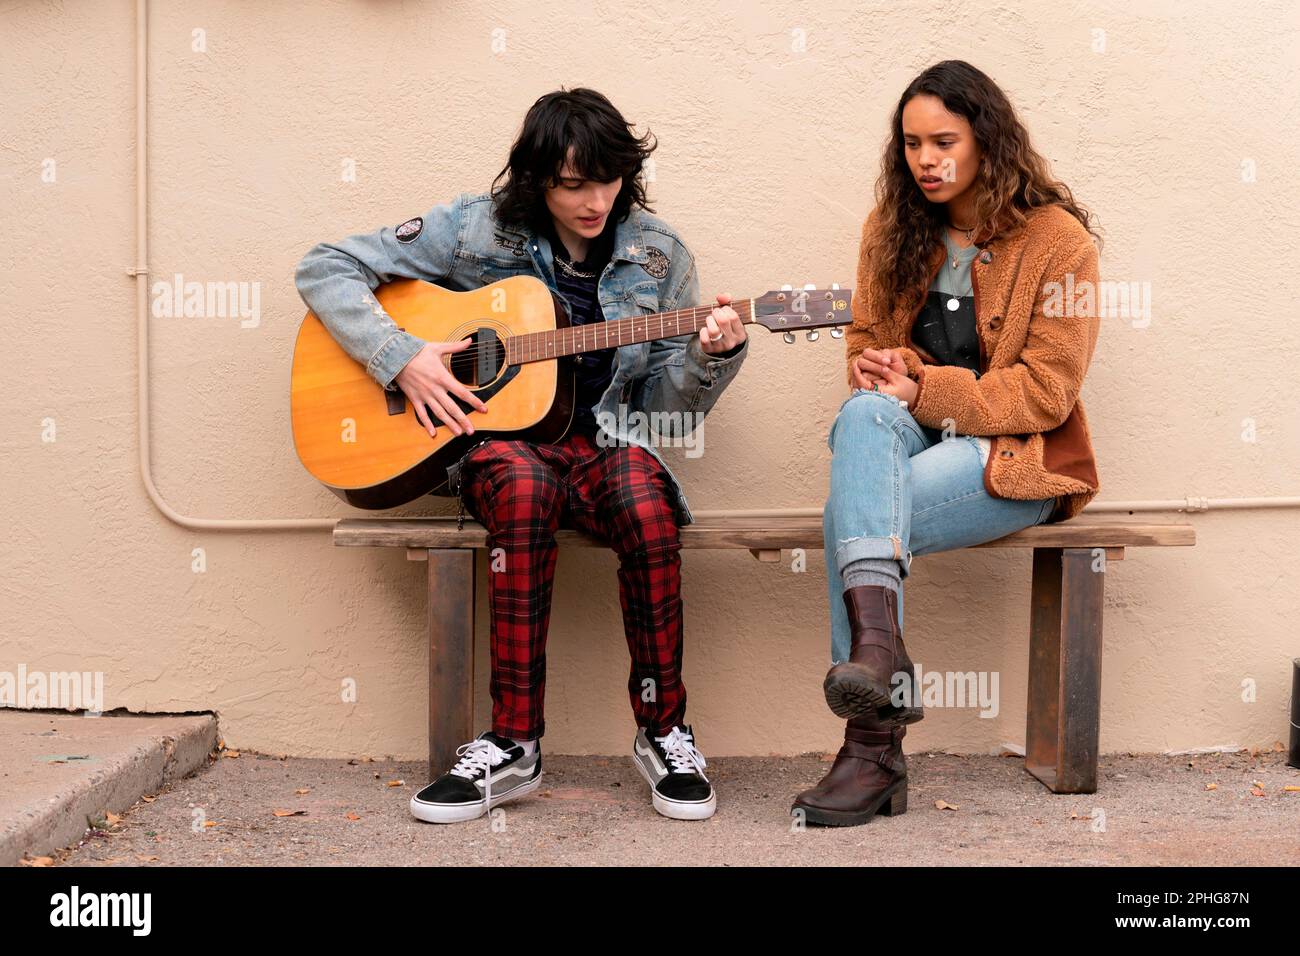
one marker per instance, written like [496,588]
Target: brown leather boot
[862,685]
[869,776]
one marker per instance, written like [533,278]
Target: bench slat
[761,534]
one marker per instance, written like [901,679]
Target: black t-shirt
[577,283]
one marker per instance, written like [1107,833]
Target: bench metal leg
[451,654]
[1064,711]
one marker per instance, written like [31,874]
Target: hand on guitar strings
[427,380]
[885,371]
[723,329]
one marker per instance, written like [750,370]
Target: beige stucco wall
[766,162]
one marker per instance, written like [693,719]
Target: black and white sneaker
[675,771]
[491,770]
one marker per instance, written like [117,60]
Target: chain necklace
[968,233]
[571,271]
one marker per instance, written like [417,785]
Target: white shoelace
[479,755]
[681,752]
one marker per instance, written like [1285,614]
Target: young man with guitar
[569,209]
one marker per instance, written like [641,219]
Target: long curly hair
[1011,179]
[604,149]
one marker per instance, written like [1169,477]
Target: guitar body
[365,443]
[367,446]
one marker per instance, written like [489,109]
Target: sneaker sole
[462,812]
[678,809]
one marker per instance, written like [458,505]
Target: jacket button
[986,257]
[1006,453]
[995,323]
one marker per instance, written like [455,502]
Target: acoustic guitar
[364,442]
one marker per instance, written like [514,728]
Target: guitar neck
[540,346]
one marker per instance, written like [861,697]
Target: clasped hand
[885,371]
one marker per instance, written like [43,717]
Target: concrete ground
[1217,809]
[58,770]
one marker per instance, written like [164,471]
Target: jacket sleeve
[336,279]
[863,333]
[1038,391]
[686,378]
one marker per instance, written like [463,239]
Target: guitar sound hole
[480,363]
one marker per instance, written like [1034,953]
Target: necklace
[571,271]
[968,233]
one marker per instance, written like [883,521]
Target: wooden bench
[1063,712]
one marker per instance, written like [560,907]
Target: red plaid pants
[522,492]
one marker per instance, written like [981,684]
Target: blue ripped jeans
[898,489]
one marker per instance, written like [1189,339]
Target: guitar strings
[630,324]
[744,305]
[475,349]
[676,315]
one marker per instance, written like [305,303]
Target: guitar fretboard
[539,346]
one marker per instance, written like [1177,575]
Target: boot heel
[896,805]
[892,714]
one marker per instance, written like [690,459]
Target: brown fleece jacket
[1036,314]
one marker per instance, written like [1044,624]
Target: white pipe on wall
[141,273]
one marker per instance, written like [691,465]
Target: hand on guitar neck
[723,330]
[427,380]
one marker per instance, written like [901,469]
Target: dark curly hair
[1011,179]
[605,148]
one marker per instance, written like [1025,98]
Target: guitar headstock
[790,310]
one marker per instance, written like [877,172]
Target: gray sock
[880,571]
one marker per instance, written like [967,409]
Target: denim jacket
[461,246]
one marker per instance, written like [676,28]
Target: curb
[59,818]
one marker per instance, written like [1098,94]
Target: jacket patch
[656,262]
[410,230]
[506,242]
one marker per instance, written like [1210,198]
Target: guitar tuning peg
[789,337]
[837,333]
[813,335]
[808,286]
